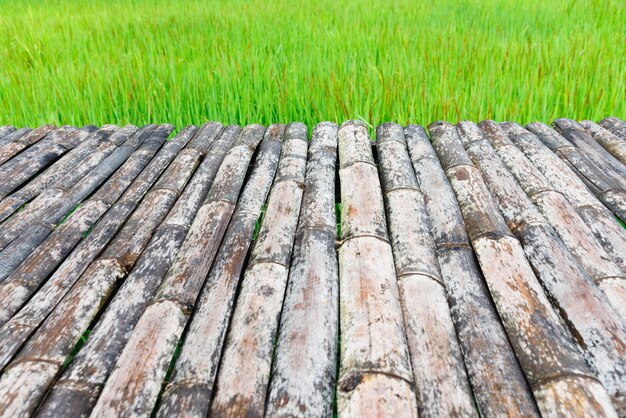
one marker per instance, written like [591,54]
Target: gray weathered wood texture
[305,363]
[18,329]
[561,380]
[5,130]
[613,144]
[498,382]
[577,135]
[615,125]
[58,200]
[602,183]
[480,274]
[375,376]
[250,340]
[442,386]
[598,217]
[18,170]
[152,343]
[190,387]
[12,202]
[597,328]
[557,210]
[107,194]
[14,146]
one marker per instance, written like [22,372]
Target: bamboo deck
[459,270]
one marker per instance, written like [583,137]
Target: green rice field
[140,61]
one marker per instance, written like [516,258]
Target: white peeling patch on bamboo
[304,369]
[442,385]
[375,375]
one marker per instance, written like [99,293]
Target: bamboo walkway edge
[476,269]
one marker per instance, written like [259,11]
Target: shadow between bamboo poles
[57,200]
[609,141]
[559,377]
[24,166]
[440,378]
[10,149]
[304,368]
[576,134]
[561,215]
[53,341]
[603,186]
[163,322]
[597,328]
[26,279]
[485,348]
[190,387]
[19,328]
[614,125]
[254,323]
[27,243]
[79,386]
[375,375]
[97,141]
[596,215]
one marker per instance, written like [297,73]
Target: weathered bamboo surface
[468,270]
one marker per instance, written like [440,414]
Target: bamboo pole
[557,373]
[22,325]
[598,217]
[609,141]
[485,348]
[152,343]
[53,341]
[191,384]
[79,180]
[12,148]
[375,377]
[597,328]
[5,131]
[576,134]
[9,204]
[77,390]
[602,185]
[558,211]
[256,314]
[33,271]
[123,166]
[304,368]
[442,384]
[28,163]
[15,135]
[614,125]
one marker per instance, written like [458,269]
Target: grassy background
[141,61]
